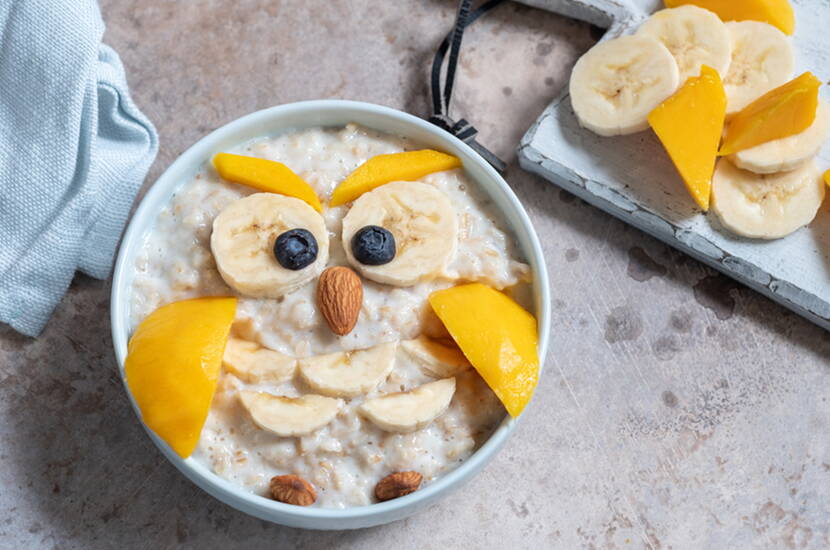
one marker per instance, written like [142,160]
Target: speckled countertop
[678,409]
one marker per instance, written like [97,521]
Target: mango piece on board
[406,166]
[689,124]
[497,336]
[173,363]
[778,13]
[784,111]
[265,175]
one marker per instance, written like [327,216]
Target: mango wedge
[406,166]
[172,366]
[786,110]
[689,124]
[265,175]
[496,335]
[778,13]
[826,178]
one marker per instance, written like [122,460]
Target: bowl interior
[274,121]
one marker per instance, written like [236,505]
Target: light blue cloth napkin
[74,150]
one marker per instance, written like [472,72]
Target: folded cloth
[74,150]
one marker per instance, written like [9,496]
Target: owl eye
[373,245]
[268,245]
[295,249]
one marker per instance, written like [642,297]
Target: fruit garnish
[826,178]
[762,59]
[349,373]
[618,82]
[693,35]
[497,335]
[289,416]
[381,169]
[689,124]
[435,357]
[373,245]
[778,13]
[784,111]
[266,175]
[173,363]
[295,249]
[405,412]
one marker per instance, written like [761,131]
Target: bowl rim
[231,493]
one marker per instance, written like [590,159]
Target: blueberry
[296,249]
[373,245]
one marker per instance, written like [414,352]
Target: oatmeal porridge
[341,409]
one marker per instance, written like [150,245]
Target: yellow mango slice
[497,336]
[778,13]
[689,124]
[781,112]
[826,178]
[266,175]
[173,363]
[406,166]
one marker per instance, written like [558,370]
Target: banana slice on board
[435,358]
[617,83]
[423,222]
[762,206]
[255,364]
[762,59]
[349,373]
[409,411]
[289,416]
[694,36]
[781,155]
[243,244]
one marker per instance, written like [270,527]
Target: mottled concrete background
[678,409]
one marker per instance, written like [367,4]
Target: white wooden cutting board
[632,177]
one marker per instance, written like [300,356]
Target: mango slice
[266,175]
[689,124]
[778,13]
[173,364]
[781,112]
[406,166]
[826,178]
[498,337]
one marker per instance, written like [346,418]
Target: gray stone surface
[678,409]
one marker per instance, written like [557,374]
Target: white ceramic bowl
[304,115]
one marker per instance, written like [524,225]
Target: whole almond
[340,295]
[292,489]
[397,485]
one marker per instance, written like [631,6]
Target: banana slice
[243,244]
[437,359]
[289,416]
[409,411]
[766,206]
[762,59]
[617,83]
[255,364]
[694,36]
[349,373]
[423,222]
[787,153]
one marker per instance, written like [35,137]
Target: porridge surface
[346,458]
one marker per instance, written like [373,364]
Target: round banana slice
[243,244]
[694,36]
[409,411]
[762,59]
[787,153]
[423,222]
[766,206]
[617,83]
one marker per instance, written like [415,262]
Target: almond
[292,489]
[340,295]
[397,485]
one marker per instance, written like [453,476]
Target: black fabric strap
[461,129]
